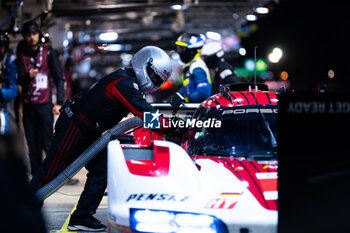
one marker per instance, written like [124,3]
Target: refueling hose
[86,156]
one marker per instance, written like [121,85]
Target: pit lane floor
[58,207]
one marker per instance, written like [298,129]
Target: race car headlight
[145,220]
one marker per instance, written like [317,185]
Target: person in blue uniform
[196,78]
[8,82]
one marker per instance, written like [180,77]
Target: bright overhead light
[108,36]
[113,47]
[251,17]
[262,10]
[178,7]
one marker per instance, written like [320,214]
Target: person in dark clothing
[38,65]
[17,198]
[68,76]
[89,115]
[8,82]
[213,55]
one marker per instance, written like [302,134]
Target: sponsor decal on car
[250,110]
[224,201]
[156,197]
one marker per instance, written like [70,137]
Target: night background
[313,37]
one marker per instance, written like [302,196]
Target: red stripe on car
[157,167]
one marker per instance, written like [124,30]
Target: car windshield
[248,131]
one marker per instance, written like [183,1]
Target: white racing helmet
[152,67]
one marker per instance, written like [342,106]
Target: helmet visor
[154,75]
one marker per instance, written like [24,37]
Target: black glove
[176,134]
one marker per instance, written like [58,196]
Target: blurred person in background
[196,78]
[38,64]
[68,76]
[8,82]
[213,55]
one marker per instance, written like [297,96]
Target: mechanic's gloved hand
[176,134]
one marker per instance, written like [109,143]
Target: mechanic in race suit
[38,64]
[196,77]
[213,55]
[8,82]
[84,120]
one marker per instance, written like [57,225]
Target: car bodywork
[220,180]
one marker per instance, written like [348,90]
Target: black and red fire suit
[96,111]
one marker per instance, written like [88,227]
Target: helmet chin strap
[196,56]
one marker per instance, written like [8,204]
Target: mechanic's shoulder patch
[136,86]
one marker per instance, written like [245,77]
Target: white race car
[221,180]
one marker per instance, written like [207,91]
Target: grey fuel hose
[86,156]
